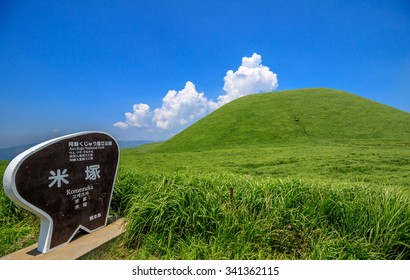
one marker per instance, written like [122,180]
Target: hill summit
[317,114]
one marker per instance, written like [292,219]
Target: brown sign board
[67,182]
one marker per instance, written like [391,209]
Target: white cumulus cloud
[251,77]
[140,117]
[121,125]
[181,108]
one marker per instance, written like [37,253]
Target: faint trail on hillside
[295,117]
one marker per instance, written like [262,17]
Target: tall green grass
[18,227]
[192,217]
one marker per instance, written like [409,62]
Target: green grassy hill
[302,174]
[303,115]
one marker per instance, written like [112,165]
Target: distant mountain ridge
[11,152]
[313,114]
[133,144]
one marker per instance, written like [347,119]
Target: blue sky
[70,66]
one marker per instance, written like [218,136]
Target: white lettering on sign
[80,190]
[58,177]
[89,143]
[80,196]
[92,172]
[95,216]
[80,154]
[84,150]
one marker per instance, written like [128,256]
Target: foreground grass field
[18,227]
[316,192]
[340,201]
